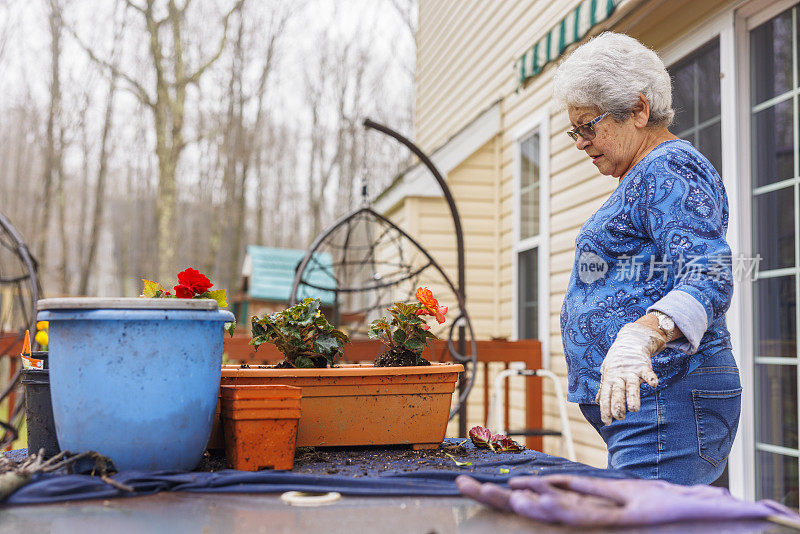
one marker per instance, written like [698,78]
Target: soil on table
[345,460]
[399,357]
[213,460]
[361,461]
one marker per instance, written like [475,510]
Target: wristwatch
[665,324]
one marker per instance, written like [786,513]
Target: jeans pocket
[717,416]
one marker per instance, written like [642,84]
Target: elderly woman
[643,322]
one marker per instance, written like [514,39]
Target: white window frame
[726,27]
[537,121]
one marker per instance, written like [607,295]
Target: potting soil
[350,471]
[399,357]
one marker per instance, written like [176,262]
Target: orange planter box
[365,405]
[260,425]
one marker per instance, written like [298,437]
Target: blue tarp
[401,476]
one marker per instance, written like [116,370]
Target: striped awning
[572,28]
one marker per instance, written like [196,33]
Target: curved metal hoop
[19,247]
[11,240]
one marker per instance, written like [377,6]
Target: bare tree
[210,153]
[91,239]
[245,116]
[21,159]
[173,75]
[52,149]
[337,156]
[325,140]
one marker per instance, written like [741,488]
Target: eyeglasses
[586,130]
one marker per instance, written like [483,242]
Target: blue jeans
[683,432]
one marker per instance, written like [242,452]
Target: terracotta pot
[260,425]
[365,405]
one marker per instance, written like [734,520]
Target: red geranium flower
[193,281]
[183,292]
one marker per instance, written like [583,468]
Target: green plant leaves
[230,328]
[406,329]
[414,345]
[381,330]
[399,337]
[257,341]
[326,343]
[304,362]
[256,328]
[301,333]
[307,311]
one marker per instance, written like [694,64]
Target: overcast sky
[25,64]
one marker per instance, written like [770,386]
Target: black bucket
[39,410]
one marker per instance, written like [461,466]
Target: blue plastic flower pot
[135,379]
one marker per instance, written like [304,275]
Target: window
[529,187]
[696,101]
[528,253]
[775,180]
[528,313]
[530,230]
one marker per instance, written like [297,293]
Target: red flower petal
[194,280]
[183,292]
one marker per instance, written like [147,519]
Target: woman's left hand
[625,367]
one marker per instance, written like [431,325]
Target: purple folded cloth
[589,501]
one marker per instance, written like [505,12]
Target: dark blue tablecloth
[401,476]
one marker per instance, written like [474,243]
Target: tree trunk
[52,153]
[100,190]
[62,216]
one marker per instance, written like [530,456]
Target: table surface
[233,513]
[175,513]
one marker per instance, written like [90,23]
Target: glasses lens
[587,132]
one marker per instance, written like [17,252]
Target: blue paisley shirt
[658,243]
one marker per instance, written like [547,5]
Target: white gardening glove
[625,367]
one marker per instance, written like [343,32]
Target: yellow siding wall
[466,51]
[428,220]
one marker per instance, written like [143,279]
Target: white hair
[609,72]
